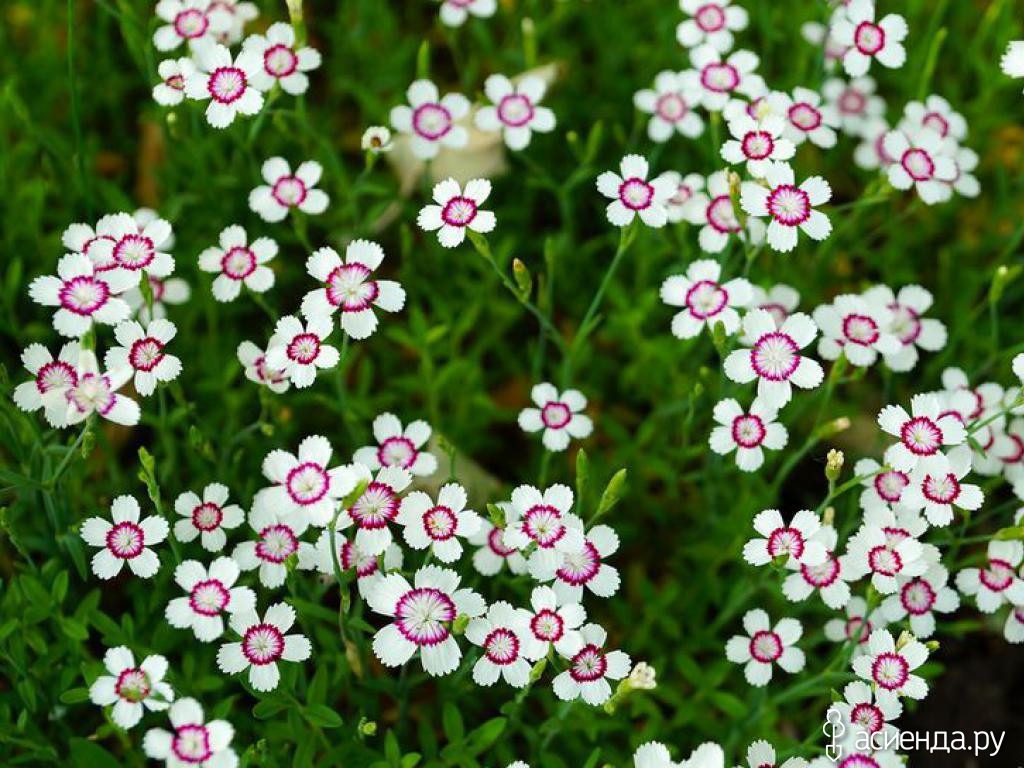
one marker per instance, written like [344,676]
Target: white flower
[856,328]
[789,207]
[829,578]
[576,568]
[191,21]
[376,508]
[757,143]
[430,121]
[764,646]
[516,110]
[349,289]
[254,360]
[438,526]
[923,161]
[780,301]
[131,689]
[298,350]
[721,80]
[747,433]
[797,542]
[774,357]
[704,299]
[423,615]
[52,378]
[493,553]
[908,324]
[590,669]
[860,713]
[125,540]
[715,212]
[870,154]
[887,555]
[920,435]
[965,183]
[936,114]
[632,194]
[240,13]
[275,541]
[367,567]
[456,210]
[238,262]
[207,518]
[936,486]
[95,392]
[170,91]
[285,190]
[891,669]
[501,635]
[542,519]
[671,104]
[280,61]
[920,598]
[857,625]
[559,415]
[170,291]
[229,85]
[1013,630]
[869,40]
[397,447]
[553,624]
[855,103]
[131,250]
[376,139]
[263,644]
[209,594]
[656,755]
[455,12]
[141,354]
[82,294]
[643,677]
[685,203]
[1012,62]
[881,489]
[761,753]
[193,741]
[998,583]
[806,118]
[710,22]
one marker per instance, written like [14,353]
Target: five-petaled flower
[787,206]
[891,668]
[82,294]
[281,62]
[209,593]
[457,209]
[124,539]
[52,377]
[263,644]
[764,646]
[710,22]
[590,669]
[193,741]
[430,121]
[867,39]
[501,634]
[705,301]
[559,415]
[285,190]
[515,110]
[672,106]
[747,432]
[207,518]
[141,356]
[921,433]
[238,262]
[229,85]
[632,194]
[398,447]
[439,525]
[298,351]
[376,508]
[131,688]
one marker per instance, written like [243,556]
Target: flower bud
[834,465]
[643,677]
[524,281]
[904,638]
[460,624]
[367,727]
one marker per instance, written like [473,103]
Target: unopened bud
[828,516]
[643,677]
[902,641]
[460,624]
[538,670]
[834,465]
[524,281]
[367,727]
[932,645]
[496,515]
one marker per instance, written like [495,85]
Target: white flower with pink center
[757,143]
[883,488]
[891,669]
[209,594]
[376,508]
[937,486]
[455,12]
[170,91]
[860,713]
[240,13]
[710,22]
[672,105]
[493,554]
[856,329]
[195,22]
[704,299]
[656,755]
[764,646]
[165,292]
[632,195]
[376,139]
[264,642]
[82,294]
[298,351]
[207,518]
[806,117]
[254,360]
[94,391]
[935,114]
[998,583]
[780,301]
[920,435]
[869,40]
[350,289]
[685,203]
[131,250]
[965,183]
[439,525]
[854,102]
[237,262]
[281,62]
[142,356]
[748,433]
[457,209]
[51,379]
[285,191]
[761,754]
[582,567]
[553,624]
[870,154]
[367,567]
[908,323]
[1012,62]
[501,635]
[795,542]
[229,85]
[923,161]
[886,554]
[131,688]
[559,415]
[273,542]
[714,210]
[193,740]
[541,520]
[126,538]
[723,80]
[918,599]
[304,485]
[829,578]
[430,121]
[856,626]
[80,238]
[1013,629]
[855,757]
[515,110]
[788,207]
[774,358]
[398,447]
[820,36]
[590,669]
[423,613]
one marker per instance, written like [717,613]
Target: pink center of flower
[501,646]
[720,77]
[262,644]
[789,205]
[439,523]
[207,516]
[304,348]
[671,107]
[998,576]
[348,288]
[721,216]
[307,483]
[1017,454]
[580,567]
[918,164]
[515,110]
[209,597]
[890,671]
[885,561]
[869,38]
[55,374]
[352,557]
[858,761]
[706,298]
[822,575]
[177,82]
[710,18]
[280,61]
[84,295]
[422,616]
[748,431]
[397,452]
[265,373]
[134,252]
[682,195]
[589,664]
[775,356]
[765,646]
[867,716]
[858,627]
[785,542]
[804,116]
[921,436]
[893,536]
[376,507]
[289,191]
[937,123]
[238,262]
[906,323]
[277,543]
[543,524]
[757,145]
[852,102]
[917,597]
[890,485]
[126,540]
[636,194]
[496,543]
[191,744]
[555,415]
[547,625]
[459,211]
[227,84]
[92,393]
[860,329]
[146,354]
[942,489]
[191,23]
[132,685]
[431,121]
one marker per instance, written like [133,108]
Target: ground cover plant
[490,383]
